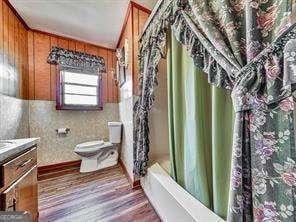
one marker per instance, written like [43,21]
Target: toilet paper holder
[62,131]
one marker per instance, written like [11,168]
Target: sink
[4,143]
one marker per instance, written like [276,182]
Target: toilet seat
[92,146]
[91,143]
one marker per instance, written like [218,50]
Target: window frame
[60,105]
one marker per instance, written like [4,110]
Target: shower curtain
[243,46]
[200,131]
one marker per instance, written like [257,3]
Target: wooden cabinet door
[26,193]
[8,199]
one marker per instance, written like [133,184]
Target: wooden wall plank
[24,61]
[53,71]
[143,16]
[63,43]
[80,46]
[91,49]
[72,45]
[110,79]
[17,67]
[31,63]
[104,53]
[115,86]
[1,47]
[21,56]
[136,13]
[11,66]
[42,68]
[5,47]
[140,18]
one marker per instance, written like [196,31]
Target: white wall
[126,117]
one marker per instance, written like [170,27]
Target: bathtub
[171,202]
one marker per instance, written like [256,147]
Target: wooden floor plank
[105,195]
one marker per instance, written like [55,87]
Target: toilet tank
[114,132]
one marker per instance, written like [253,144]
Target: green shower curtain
[200,122]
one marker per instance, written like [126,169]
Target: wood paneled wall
[23,55]
[13,54]
[133,26]
[42,76]
[140,17]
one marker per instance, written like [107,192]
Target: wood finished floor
[104,195]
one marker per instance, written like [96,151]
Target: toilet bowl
[96,155]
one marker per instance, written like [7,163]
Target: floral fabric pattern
[76,60]
[248,47]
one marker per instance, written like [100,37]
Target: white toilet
[98,154]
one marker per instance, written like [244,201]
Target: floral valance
[74,59]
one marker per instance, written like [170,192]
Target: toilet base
[100,161]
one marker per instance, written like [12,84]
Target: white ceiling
[94,21]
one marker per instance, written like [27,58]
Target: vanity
[18,188]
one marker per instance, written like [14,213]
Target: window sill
[80,108]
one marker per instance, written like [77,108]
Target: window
[78,90]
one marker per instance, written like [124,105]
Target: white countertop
[16,146]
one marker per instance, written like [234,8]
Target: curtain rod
[147,23]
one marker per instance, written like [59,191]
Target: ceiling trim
[48,33]
[17,14]
[131,5]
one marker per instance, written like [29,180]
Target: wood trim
[129,10]
[17,14]
[140,7]
[124,24]
[57,167]
[136,184]
[133,183]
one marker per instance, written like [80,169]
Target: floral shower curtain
[240,45]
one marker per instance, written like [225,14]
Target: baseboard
[133,183]
[51,170]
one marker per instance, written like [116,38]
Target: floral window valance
[76,60]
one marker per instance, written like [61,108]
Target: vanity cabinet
[19,190]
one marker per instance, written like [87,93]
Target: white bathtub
[170,200]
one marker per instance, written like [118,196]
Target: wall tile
[14,118]
[84,126]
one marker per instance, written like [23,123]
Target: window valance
[77,60]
